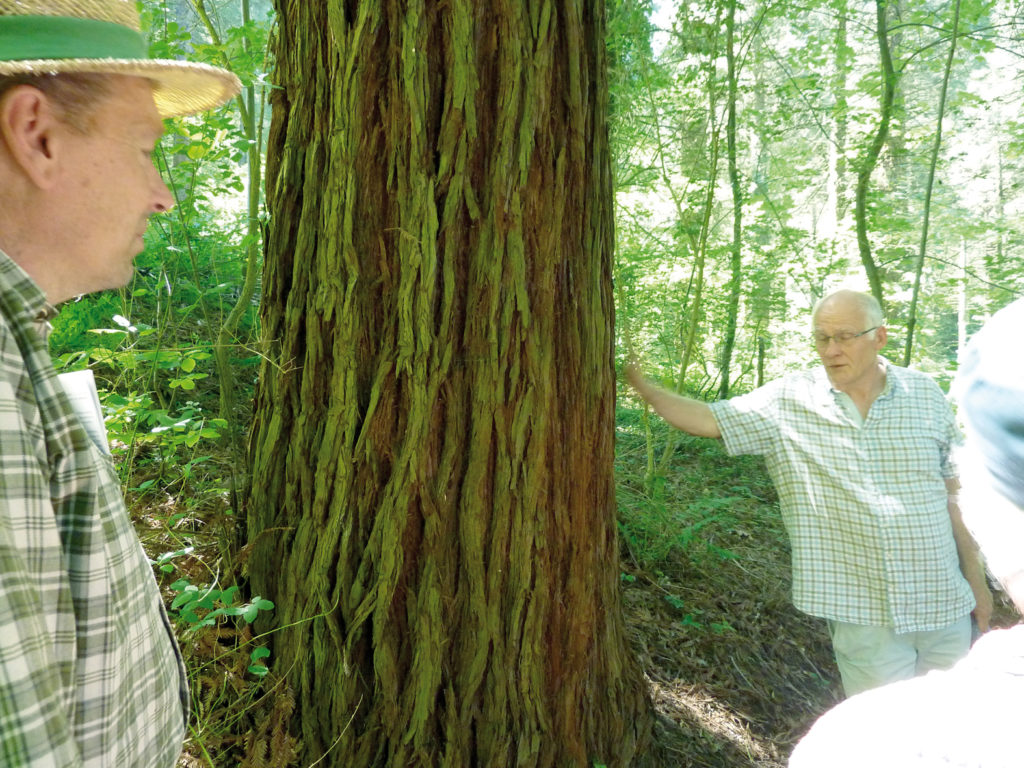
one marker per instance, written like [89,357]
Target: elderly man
[968,716]
[859,451]
[89,671]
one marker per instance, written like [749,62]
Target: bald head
[846,301]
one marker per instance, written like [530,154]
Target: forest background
[763,154]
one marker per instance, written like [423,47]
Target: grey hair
[868,305]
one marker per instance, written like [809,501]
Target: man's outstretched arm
[691,416]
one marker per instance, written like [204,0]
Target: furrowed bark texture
[432,504]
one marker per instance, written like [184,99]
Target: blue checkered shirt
[90,675]
[864,502]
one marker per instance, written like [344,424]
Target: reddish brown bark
[432,504]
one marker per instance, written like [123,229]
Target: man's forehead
[130,106]
[839,312]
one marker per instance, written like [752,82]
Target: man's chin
[836,377]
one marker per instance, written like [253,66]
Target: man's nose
[163,200]
[832,347]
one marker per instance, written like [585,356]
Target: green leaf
[249,613]
[185,598]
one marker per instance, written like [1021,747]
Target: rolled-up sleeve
[749,423]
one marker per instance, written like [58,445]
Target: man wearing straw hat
[89,671]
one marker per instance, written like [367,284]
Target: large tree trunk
[432,503]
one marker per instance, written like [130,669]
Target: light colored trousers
[871,656]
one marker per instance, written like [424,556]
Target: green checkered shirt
[865,504]
[90,674]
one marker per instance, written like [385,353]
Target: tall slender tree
[432,503]
[736,249]
[842,54]
[929,186]
[867,163]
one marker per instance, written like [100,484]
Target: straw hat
[42,37]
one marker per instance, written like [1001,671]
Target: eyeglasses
[842,339]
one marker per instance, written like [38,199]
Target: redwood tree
[431,505]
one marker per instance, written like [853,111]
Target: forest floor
[737,674]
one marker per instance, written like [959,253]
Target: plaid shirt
[90,674]
[864,503]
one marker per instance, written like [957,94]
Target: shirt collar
[887,387]
[23,295]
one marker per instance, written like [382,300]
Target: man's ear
[881,336]
[28,126]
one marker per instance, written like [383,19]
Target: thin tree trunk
[766,271]
[870,160]
[762,350]
[1000,206]
[929,186]
[837,148]
[699,247]
[700,257]
[735,259]
[246,103]
[432,506]
[961,304]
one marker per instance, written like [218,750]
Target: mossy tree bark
[432,503]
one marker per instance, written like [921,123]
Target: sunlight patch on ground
[686,702]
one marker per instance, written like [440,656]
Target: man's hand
[983,604]
[970,559]
[691,416]
[634,377]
